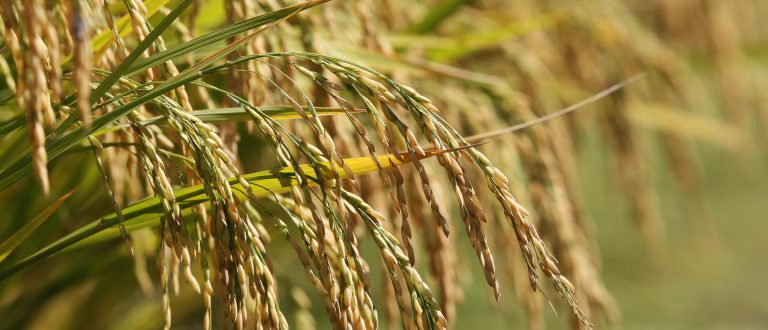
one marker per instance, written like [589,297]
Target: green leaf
[9,245]
[237,115]
[12,124]
[220,35]
[136,53]
[6,96]
[148,212]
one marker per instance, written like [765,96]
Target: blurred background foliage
[664,180]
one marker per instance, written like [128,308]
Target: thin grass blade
[9,245]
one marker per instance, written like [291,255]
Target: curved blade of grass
[147,212]
[10,244]
[12,124]
[238,114]
[101,42]
[6,96]
[220,35]
[230,115]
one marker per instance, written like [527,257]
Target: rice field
[329,164]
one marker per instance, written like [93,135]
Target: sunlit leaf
[148,212]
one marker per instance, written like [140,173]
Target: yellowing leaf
[147,212]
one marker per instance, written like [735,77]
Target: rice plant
[232,143]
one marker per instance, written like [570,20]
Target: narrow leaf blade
[9,245]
